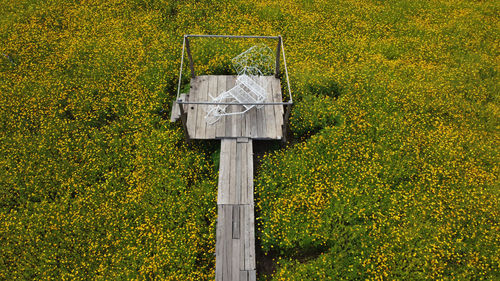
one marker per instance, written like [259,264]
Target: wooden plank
[253,123]
[269,110]
[236,242]
[250,172]
[247,132]
[252,275]
[220,191]
[246,124]
[246,238]
[249,238]
[243,275]
[237,183]
[236,119]
[277,112]
[192,108]
[244,173]
[228,242]
[200,118]
[229,172]
[248,210]
[261,119]
[242,124]
[242,140]
[230,82]
[204,97]
[234,259]
[197,108]
[278,109]
[221,124]
[236,222]
[219,245]
[241,258]
[244,234]
[228,123]
[232,173]
[224,171]
[279,94]
[210,129]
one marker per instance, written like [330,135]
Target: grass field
[392,172]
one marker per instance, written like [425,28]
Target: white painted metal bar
[180,71]
[232,36]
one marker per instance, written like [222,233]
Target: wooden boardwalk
[235,245]
[263,123]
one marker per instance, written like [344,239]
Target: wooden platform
[235,237]
[235,245]
[264,123]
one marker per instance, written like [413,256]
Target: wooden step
[176,111]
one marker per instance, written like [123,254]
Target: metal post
[278,48]
[286,74]
[285,123]
[188,49]
[184,122]
[180,70]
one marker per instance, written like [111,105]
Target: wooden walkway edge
[235,244]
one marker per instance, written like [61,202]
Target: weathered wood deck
[235,245]
[263,123]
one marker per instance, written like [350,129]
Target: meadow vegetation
[392,172]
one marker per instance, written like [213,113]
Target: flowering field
[392,172]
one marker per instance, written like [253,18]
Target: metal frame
[187,48]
